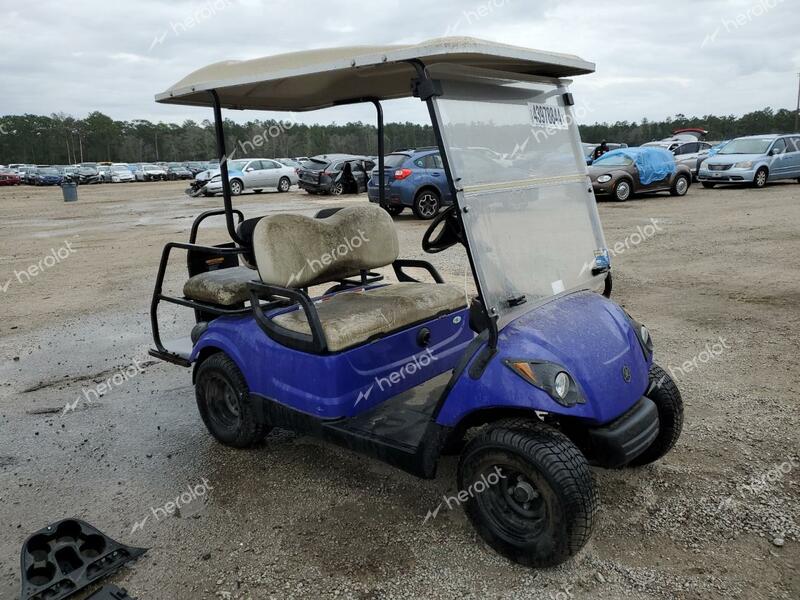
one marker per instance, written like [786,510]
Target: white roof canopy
[313,79]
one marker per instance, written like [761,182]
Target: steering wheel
[449,235]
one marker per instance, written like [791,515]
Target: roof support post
[381,152]
[223,169]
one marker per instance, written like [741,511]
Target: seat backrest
[297,251]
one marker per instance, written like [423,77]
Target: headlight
[642,334]
[604,179]
[743,165]
[561,385]
[551,378]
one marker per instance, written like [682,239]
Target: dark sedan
[47,176]
[175,172]
[627,171]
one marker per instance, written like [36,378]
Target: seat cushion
[352,318]
[223,286]
[299,251]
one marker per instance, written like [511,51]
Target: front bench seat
[294,251]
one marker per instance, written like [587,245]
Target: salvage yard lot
[714,275]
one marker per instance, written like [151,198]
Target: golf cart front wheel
[225,404]
[529,492]
[667,398]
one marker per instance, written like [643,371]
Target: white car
[153,173]
[119,173]
[255,174]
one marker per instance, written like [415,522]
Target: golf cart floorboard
[400,431]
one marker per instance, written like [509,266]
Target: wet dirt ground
[714,275]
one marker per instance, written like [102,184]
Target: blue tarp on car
[654,164]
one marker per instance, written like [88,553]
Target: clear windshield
[617,160]
[530,214]
[746,146]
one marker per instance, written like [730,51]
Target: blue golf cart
[316,324]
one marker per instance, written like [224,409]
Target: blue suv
[413,178]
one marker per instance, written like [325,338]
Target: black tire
[225,405]
[337,189]
[395,209]
[236,187]
[541,509]
[669,403]
[708,185]
[760,179]
[622,190]
[284,184]
[426,204]
[680,186]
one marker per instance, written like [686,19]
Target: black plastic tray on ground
[68,555]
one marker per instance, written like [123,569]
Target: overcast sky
[654,58]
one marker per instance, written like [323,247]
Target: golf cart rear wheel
[284,184]
[225,405]
[680,186]
[708,185]
[529,491]
[622,191]
[667,398]
[426,204]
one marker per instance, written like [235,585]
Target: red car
[8,177]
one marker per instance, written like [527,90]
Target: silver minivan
[753,160]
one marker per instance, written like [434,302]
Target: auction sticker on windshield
[548,116]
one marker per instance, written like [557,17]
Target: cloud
[653,59]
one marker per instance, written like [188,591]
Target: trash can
[70,191]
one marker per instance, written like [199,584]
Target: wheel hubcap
[761,178]
[223,402]
[284,185]
[623,191]
[682,186]
[428,205]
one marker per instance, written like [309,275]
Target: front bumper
[602,189]
[619,442]
[730,175]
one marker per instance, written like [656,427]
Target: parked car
[85,175]
[9,177]
[753,160]
[415,179]
[689,152]
[117,173]
[255,174]
[335,174]
[290,162]
[196,167]
[27,174]
[175,172]
[47,176]
[588,149]
[627,171]
[152,172]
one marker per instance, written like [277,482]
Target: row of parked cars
[103,172]
[674,163]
